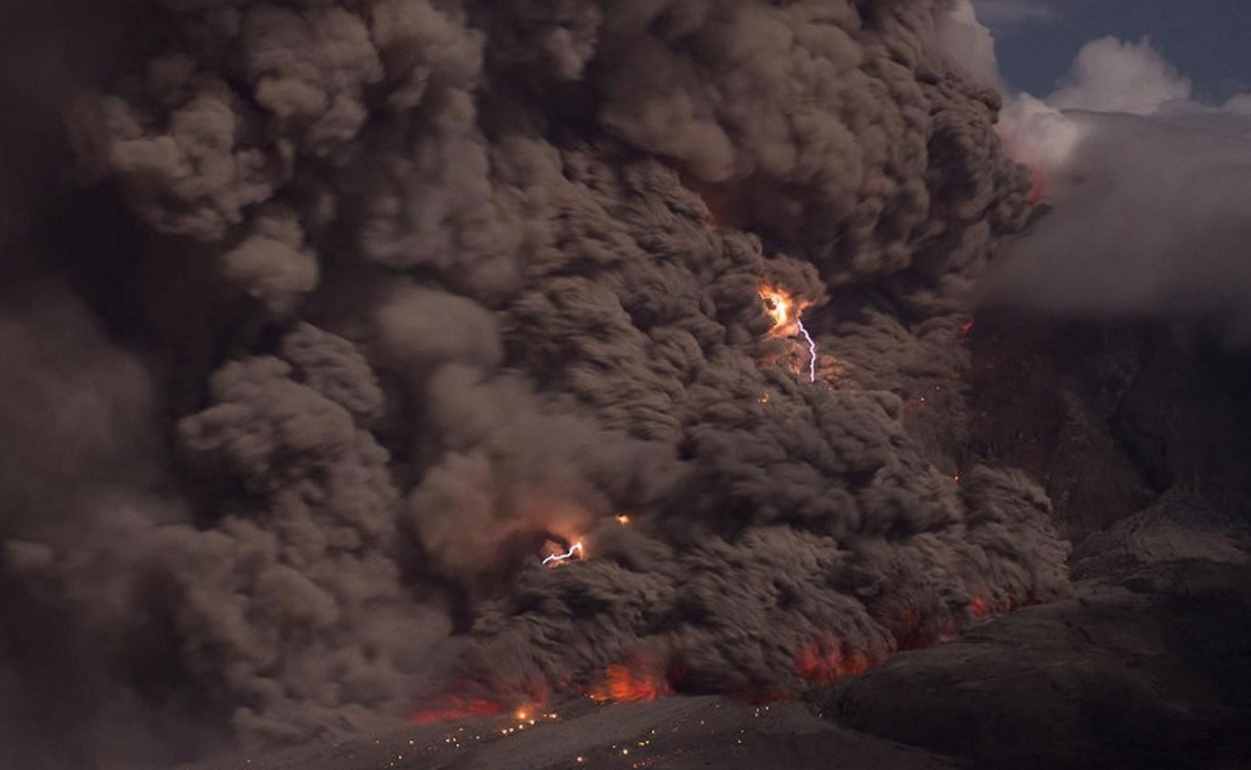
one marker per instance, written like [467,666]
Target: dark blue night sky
[1208,41]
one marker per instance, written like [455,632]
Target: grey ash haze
[322,318]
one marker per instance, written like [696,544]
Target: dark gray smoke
[410,288]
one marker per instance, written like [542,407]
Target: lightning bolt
[567,555]
[812,349]
[780,305]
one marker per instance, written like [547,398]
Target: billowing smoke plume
[419,288]
[967,45]
[1150,203]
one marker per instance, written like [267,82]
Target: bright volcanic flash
[778,303]
[781,307]
[557,558]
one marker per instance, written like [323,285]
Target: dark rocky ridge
[1109,417]
[1147,666]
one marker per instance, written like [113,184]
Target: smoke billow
[415,287]
[1147,194]
[1150,217]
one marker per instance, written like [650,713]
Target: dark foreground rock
[671,734]
[1149,665]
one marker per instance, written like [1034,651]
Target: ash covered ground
[387,367]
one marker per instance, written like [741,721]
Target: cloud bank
[1146,189]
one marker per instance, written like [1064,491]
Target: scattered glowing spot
[623,520]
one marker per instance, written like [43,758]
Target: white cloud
[1036,134]
[1151,192]
[1151,219]
[1111,75]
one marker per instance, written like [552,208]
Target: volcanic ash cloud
[490,276]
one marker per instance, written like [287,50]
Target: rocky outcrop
[1148,665]
[1109,416]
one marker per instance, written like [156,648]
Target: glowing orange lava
[623,684]
[826,662]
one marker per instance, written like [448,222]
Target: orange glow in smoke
[785,312]
[826,662]
[1039,184]
[623,520]
[554,557]
[623,684]
[782,308]
[979,608]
